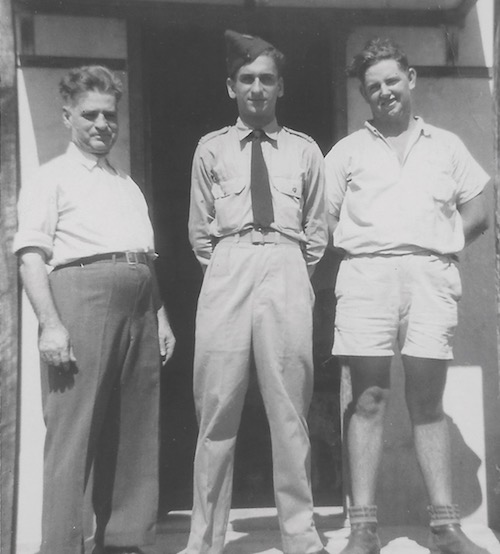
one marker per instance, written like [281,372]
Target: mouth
[102,138]
[388,104]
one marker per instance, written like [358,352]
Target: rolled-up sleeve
[469,176]
[314,215]
[201,210]
[37,214]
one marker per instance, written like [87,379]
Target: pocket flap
[291,187]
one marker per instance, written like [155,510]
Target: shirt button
[294,189]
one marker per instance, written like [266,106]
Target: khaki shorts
[408,299]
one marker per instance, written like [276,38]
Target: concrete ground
[255,531]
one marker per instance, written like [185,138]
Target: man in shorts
[404,198]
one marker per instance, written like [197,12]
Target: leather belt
[259,237]
[132,258]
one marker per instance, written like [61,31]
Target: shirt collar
[272,130]
[88,160]
[421,128]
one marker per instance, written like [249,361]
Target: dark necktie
[262,203]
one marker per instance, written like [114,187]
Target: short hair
[374,51]
[276,55]
[90,77]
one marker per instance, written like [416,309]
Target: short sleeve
[37,213]
[336,177]
[469,176]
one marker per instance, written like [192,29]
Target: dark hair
[375,50]
[276,55]
[90,77]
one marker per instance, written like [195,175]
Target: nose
[257,85]
[101,122]
[385,90]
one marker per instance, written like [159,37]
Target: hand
[55,347]
[166,337]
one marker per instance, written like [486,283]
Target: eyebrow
[94,112]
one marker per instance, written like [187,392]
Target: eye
[246,79]
[90,116]
[112,117]
[268,79]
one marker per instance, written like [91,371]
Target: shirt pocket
[229,201]
[229,187]
[438,182]
[287,202]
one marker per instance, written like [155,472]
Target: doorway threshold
[256,531]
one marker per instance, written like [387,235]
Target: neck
[98,155]
[393,127]
[257,122]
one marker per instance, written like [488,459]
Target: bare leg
[425,382]
[370,386]
[370,377]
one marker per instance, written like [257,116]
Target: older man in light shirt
[103,330]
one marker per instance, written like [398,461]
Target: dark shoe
[450,539]
[363,539]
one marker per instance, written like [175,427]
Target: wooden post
[9,301]
[496,104]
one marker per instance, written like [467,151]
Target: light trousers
[255,300]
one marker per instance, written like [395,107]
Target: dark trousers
[104,414]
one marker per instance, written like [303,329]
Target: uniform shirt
[221,202]
[75,206]
[385,206]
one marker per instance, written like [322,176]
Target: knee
[425,413]
[371,402]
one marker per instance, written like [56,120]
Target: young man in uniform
[257,226]
[404,198]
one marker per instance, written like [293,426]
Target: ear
[412,77]
[66,115]
[362,91]
[281,87]
[230,88]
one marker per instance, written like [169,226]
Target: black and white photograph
[250,277]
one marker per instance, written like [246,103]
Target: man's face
[387,89]
[93,120]
[256,88]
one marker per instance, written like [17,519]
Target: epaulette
[214,134]
[299,134]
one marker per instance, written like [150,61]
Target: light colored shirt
[385,206]
[221,202]
[76,206]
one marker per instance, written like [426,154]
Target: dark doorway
[185,89]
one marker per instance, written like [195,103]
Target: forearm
[474,218]
[166,336]
[163,318]
[36,283]
[473,229]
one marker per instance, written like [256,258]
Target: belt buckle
[131,258]
[258,236]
